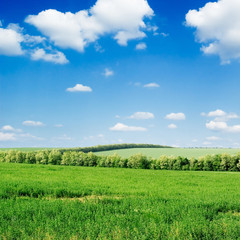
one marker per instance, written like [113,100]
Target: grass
[57,202]
[157,152]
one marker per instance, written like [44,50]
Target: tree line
[109,147]
[217,162]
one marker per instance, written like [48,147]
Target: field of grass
[59,202]
[157,152]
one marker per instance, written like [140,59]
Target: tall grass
[58,202]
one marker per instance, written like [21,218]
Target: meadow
[157,152]
[70,202]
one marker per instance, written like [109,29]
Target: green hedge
[218,162]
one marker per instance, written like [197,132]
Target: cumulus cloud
[79,88]
[108,72]
[222,126]
[55,56]
[151,85]
[124,128]
[8,128]
[142,115]
[141,46]
[33,123]
[217,28]
[216,113]
[175,116]
[10,42]
[122,18]
[220,115]
[172,126]
[7,136]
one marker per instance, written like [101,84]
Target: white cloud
[79,88]
[217,28]
[142,115]
[220,115]
[164,34]
[26,136]
[7,136]
[58,125]
[124,128]
[151,85]
[217,113]
[122,18]
[222,126]
[213,138]
[172,126]
[108,72]
[176,116]
[55,57]
[8,128]
[141,46]
[33,123]
[10,42]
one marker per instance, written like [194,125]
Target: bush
[225,161]
[55,157]
[30,158]
[218,162]
[42,157]
[2,156]
[138,161]
[193,164]
[11,156]
[208,163]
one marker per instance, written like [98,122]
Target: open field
[157,152]
[64,202]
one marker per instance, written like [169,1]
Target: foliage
[218,162]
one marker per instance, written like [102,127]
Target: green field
[59,202]
[157,152]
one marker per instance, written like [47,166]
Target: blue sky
[162,72]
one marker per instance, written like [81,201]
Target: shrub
[162,163]
[112,161]
[208,163]
[216,162]
[20,157]
[225,161]
[42,157]
[234,162]
[11,156]
[66,158]
[193,164]
[138,161]
[81,156]
[2,156]
[90,160]
[55,157]
[30,158]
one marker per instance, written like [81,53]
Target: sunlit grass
[59,202]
